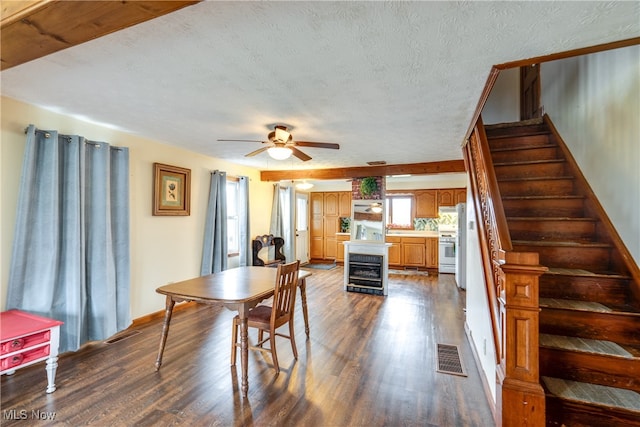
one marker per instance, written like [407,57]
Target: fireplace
[366,267]
[365,273]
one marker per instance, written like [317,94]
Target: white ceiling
[393,81]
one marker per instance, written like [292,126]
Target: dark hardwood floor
[370,360]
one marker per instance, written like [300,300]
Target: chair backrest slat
[284,295]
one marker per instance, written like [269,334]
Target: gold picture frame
[171,190]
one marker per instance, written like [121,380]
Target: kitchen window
[400,212]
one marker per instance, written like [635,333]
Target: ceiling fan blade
[241,140]
[258,151]
[318,144]
[299,154]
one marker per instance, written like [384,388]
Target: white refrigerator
[461,247]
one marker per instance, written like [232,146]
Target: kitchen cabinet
[394,250]
[426,203]
[446,197]
[340,247]
[432,247]
[344,207]
[413,251]
[316,226]
[451,196]
[326,209]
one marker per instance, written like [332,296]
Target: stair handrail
[494,235]
[511,284]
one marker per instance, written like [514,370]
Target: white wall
[503,103]
[594,102]
[163,249]
[478,321]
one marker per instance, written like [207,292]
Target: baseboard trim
[148,318]
[483,378]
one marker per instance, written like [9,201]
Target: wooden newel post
[519,388]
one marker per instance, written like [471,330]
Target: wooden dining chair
[269,318]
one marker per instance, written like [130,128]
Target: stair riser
[544,187]
[519,141]
[551,230]
[567,208]
[569,413]
[528,170]
[619,328]
[590,368]
[586,258]
[525,154]
[596,289]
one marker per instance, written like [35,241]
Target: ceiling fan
[281,145]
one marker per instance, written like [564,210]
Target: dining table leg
[243,311]
[302,284]
[165,329]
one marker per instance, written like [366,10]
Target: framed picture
[171,190]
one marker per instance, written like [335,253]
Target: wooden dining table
[239,289]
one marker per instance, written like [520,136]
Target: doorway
[302,227]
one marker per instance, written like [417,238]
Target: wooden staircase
[590,314]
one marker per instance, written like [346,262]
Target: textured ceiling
[393,81]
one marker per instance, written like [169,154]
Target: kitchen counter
[408,233]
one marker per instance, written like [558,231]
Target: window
[400,212]
[233,222]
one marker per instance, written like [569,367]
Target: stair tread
[524,147]
[529,162]
[584,345]
[550,218]
[590,306]
[539,197]
[561,243]
[575,305]
[593,393]
[581,272]
[541,178]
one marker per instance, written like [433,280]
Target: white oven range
[447,253]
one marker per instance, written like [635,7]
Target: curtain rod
[86,141]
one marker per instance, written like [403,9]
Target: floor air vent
[449,360]
[121,336]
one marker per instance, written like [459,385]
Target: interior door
[302,227]
[530,92]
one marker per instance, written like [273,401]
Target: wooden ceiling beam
[448,166]
[35,28]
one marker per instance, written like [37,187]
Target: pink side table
[26,339]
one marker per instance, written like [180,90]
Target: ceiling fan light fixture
[376,207]
[279,153]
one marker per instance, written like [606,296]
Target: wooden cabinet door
[394,251]
[461,195]
[413,251]
[344,209]
[432,252]
[340,247]
[317,203]
[426,203]
[330,230]
[331,204]
[446,197]
[316,248]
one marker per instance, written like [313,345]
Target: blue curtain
[71,256]
[282,219]
[214,249]
[246,254]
